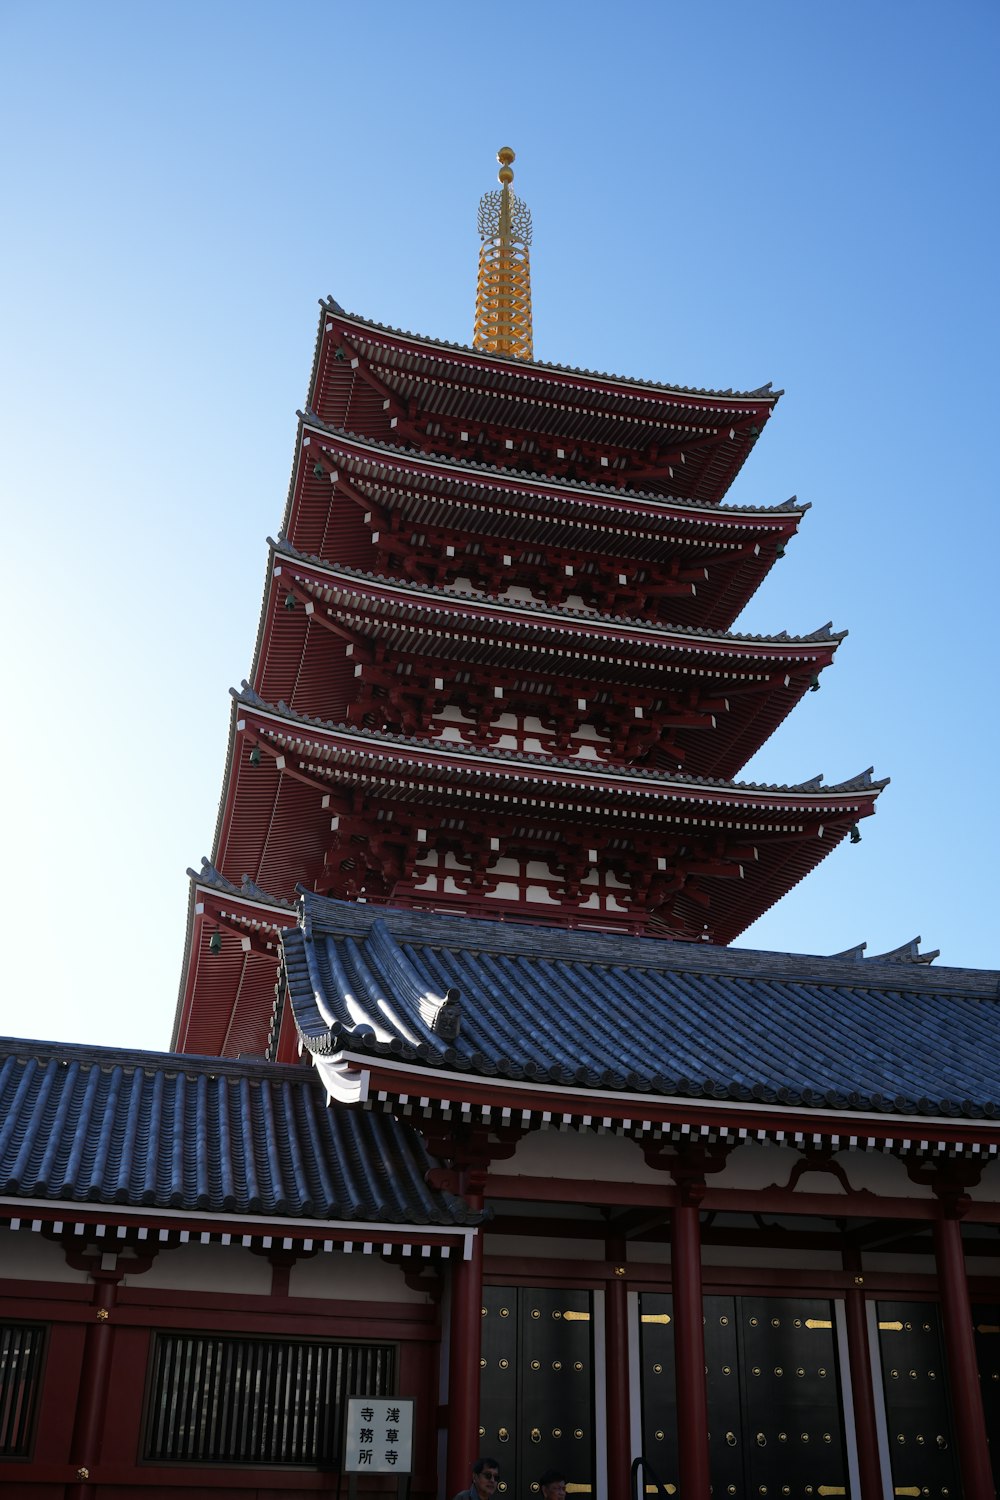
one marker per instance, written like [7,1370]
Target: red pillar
[463,1360]
[963,1369]
[616,1372]
[862,1387]
[689,1351]
[91,1405]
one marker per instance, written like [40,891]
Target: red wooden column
[963,1369]
[616,1372]
[862,1387]
[689,1344]
[464,1347]
[91,1404]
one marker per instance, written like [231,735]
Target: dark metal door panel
[536,1404]
[986,1320]
[658,1391]
[498,1426]
[658,1385]
[774,1409]
[921,1443]
[792,1412]
[557,1387]
[726,1440]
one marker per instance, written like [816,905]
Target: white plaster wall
[28,1257]
[988,1188]
[877,1173]
[209,1268]
[755,1166]
[353,1278]
[752,1167]
[580,1156]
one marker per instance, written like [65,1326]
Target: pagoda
[496,672]
[495,1131]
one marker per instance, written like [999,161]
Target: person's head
[553,1484]
[485,1473]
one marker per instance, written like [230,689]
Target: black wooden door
[536,1394]
[921,1444]
[774,1408]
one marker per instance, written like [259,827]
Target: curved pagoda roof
[230,962]
[595,1024]
[711,558]
[697,679]
[381,380]
[746,844]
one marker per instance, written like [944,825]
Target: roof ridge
[247,889]
[444,930]
[153,1061]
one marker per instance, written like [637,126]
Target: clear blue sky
[722,194]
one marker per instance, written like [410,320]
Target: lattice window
[22,1346]
[218,1400]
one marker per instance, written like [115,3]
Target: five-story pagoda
[496,672]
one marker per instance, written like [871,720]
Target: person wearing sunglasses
[485,1473]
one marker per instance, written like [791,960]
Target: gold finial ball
[505,156]
[505,175]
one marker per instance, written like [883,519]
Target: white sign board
[378,1435]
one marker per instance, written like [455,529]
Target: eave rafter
[228,1000]
[422,1094]
[377,606]
[672,843]
[320,750]
[446,396]
[417,650]
[448,480]
[252,931]
[440,523]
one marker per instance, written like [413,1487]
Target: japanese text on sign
[378,1435]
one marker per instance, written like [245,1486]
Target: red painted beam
[775,1200]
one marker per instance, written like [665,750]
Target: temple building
[470,1102]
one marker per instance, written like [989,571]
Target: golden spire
[503,292]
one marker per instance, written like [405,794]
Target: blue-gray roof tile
[609,1012]
[162,1130]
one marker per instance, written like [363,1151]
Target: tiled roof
[162,1130]
[608,1013]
